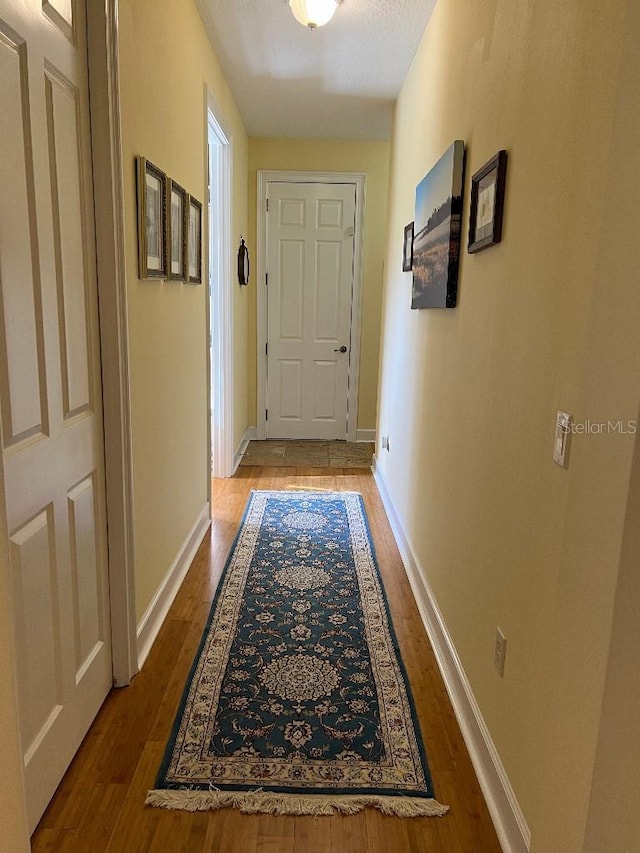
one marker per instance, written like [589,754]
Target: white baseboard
[250,434]
[365,435]
[156,612]
[509,821]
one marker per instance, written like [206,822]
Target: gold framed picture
[177,231]
[194,239]
[152,225]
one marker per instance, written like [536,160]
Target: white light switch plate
[561,440]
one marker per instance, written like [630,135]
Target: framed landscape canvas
[436,232]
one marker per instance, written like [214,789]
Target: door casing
[219,296]
[266,176]
[102,23]
[104,98]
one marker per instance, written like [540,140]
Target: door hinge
[266,348]
[266,279]
[267,205]
[266,414]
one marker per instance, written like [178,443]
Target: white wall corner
[155,614]
[366,435]
[509,821]
[250,434]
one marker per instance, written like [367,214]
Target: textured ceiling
[336,82]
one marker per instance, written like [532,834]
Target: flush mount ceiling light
[313,13]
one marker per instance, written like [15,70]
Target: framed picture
[436,232]
[194,238]
[177,231]
[243,263]
[407,250]
[152,221]
[487,202]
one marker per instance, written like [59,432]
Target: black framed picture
[407,250]
[243,263]
[437,226]
[195,241]
[152,225]
[487,202]
[177,231]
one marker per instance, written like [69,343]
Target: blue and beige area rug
[298,701]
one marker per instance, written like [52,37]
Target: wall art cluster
[431,248]
[169,227]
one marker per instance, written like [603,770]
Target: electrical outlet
[500,653]
[385,442]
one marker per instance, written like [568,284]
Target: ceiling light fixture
[313,13]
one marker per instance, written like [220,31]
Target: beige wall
[546,320]
[165,63]
[371,158]
[614,819]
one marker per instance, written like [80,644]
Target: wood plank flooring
[99,806]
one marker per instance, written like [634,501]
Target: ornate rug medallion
[297,702]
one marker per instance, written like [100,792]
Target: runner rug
[298,701]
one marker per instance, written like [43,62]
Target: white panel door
[52,441]
[310,236]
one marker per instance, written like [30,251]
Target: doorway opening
[280,376]
[220,297]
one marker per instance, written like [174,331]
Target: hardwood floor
[99,806]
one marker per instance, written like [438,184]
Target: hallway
[99,805]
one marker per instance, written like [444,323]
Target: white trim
[509,821]
[359,179]
[366,435]
[157,610]
[102,48]
[102,30]
[250,434]
[206,278]
[13,750]
[220,299]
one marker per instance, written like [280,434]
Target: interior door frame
[102,25]
[108,180]
[359,180]
[219,299]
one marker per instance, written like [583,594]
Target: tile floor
[316,454]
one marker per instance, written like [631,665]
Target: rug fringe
[266,802]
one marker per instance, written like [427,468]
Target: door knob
[342,349]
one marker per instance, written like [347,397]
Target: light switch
[561,441]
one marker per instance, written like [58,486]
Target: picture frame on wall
[487,203]
[194,241]
[176,231]
[407,249]
[437,228]
[152,220]
[243,263]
